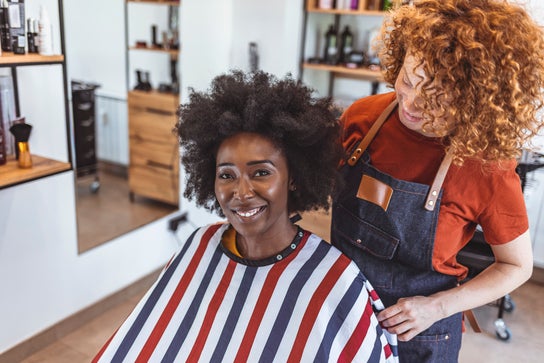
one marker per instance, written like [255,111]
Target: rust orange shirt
[491,197]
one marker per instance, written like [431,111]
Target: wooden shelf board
[165,2]
[172,52]
[155,94]
[29,58]
[11,174]
[364,73]
[348,12]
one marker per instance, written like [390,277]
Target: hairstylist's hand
[410,316]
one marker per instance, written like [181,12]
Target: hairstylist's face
[407,87]
[252,186]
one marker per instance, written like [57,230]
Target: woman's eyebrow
[253,162]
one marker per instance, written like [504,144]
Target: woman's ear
[292,186]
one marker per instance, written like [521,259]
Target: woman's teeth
[249,213]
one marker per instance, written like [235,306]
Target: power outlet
[174,222]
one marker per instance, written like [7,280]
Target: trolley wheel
[502,331]
[509,304]
[95,185]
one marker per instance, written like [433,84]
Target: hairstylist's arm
[513,266]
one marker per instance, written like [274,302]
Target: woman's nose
[243,189]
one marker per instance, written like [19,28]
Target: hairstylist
[428,163]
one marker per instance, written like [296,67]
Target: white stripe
[222,314]
[247,312]
[188,299]
[337,293]
[303,301]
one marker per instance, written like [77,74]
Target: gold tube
[25,159]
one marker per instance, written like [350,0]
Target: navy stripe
[378,348]
[337,319]
[286,310]
[149,305]
[190,315]
[234,315]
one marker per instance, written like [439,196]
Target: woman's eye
[262,172]
[224,176]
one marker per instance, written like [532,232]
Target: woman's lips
[248,213]
[410,117]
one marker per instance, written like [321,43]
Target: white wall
[42,274]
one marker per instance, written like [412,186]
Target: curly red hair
[485,57]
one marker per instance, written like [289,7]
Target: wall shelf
[347,12]
[163,2]
[360,73]
[173,52]
[8,58]
[11,174]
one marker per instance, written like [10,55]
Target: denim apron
[387,226]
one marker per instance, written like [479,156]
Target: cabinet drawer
[153,100]
[155,183]
[160,155]
[152,126]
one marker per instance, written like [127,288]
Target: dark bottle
[2,145]
[346,45]
[331,46]
[5,36]
[32,36]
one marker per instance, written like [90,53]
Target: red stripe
[173,303]
[213,308]
[374,295]
[356,340]
[388,351]
[262,303]
[314,306]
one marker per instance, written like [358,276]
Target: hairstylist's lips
[410,117]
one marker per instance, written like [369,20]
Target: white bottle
[325,4]
[46,37]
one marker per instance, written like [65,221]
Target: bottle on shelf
[32,35]
[5,37]
[330,55]
[326,4]
[387,4]
[346,44]
[45,38]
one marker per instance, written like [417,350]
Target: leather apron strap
[358,152]
[434,191]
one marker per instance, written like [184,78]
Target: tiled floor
[526,323]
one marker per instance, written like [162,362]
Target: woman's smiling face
[408,86]
[252,187]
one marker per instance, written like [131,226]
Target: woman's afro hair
[305,128]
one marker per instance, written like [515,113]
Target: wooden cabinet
[153,146]
[365,8]
[154,161]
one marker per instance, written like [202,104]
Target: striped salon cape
[314,305]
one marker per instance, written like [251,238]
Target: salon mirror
[97,60]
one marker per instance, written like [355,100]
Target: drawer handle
[158,111]
[159,165]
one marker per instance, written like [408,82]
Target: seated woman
[257,288]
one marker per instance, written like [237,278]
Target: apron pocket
[371,253]
[364,235]
[440,343]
